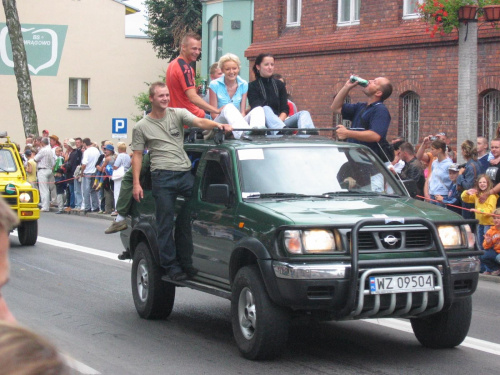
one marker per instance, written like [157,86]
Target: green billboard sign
[43,43]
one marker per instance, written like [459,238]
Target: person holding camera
[427,158]
[439,180]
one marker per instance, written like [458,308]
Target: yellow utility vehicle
[18,192]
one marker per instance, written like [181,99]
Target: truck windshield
[313,171]
[7,163]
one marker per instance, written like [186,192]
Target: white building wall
[95,48]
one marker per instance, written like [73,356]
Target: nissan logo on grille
[390,240]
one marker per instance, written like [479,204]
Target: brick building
[318,44]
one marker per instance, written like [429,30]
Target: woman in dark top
[468,175]
[271,94]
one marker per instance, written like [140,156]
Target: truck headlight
[317,241]
[450,236]
[25,197]
[469,236]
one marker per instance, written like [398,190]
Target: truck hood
[347,210]
[15,180]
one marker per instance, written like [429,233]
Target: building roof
[129,9]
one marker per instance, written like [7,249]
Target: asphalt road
[71,288]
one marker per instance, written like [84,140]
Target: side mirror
[218,194]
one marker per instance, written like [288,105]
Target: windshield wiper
[361,192]
[283,195]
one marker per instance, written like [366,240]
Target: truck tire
[445,329]
[153,298]
[28,232]
[260,327]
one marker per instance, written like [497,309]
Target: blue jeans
[90,197]
[433,201]
[167,185]
[301,120]
[481,231]
[488,259]
[71,187]
[77,185]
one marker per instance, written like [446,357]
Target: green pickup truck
[298,226]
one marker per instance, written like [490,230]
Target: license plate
[401,283]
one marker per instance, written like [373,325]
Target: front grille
[421,238]
[366,241]
[11,201]
[403,239]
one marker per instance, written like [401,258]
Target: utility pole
[467,84]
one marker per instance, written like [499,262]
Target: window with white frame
[293,11]
[78,93]
[349,12]
[491,114]
[411,117]
[410,8]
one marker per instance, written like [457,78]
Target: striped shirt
[44,158]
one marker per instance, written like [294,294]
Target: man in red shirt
[180,78]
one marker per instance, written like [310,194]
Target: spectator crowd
[470,189]
[77,174]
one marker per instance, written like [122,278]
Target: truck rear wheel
[445,329]
[260,327]
[153,298]
[28,232]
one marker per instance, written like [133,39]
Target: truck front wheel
[28,232]
[260,327]
[445,329]
[153,298]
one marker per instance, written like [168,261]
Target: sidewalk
[82,213]
[492,279]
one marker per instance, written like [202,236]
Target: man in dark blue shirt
[370,120]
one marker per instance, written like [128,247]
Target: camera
[432,137]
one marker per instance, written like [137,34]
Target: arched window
[338,116]
[410,117]
[214,39]
[490,114]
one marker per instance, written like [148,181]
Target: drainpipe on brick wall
[467,85]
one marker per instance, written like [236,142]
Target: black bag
[385,150]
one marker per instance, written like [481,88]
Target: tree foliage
[24,92]
[169,20]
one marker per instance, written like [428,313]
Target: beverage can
[362,82]
[203,90]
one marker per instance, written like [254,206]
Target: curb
[82,213]
[492,279]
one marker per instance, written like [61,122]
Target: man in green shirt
[162,133]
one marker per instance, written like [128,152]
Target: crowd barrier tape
[460,207]
[72,178]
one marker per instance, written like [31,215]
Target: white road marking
[469,342]
[82,249]
[79,366]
